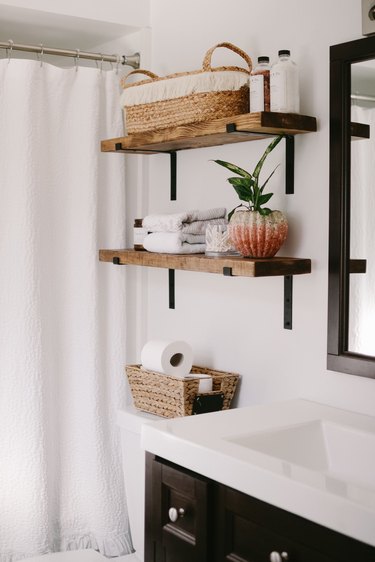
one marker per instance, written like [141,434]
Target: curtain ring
[101,63]
[11,43]
[117,63]
[41,54]
[76,59]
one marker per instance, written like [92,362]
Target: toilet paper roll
[168,357]
[205,382]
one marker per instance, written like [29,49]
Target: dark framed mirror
[351,288]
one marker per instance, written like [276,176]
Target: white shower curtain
[62,331]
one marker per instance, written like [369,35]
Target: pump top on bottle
[284,84]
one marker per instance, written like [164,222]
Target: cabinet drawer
[251,530]
[180,522]
[247,541]
[219,524]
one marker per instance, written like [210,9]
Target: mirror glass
[351,283]
[361,317]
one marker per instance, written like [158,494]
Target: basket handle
[148,73]
[207,59]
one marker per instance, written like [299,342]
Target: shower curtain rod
[128,60]
[360,97]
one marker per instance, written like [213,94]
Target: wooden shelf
[239,128]
[236,266]
[213,133]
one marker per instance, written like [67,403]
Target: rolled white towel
[176,221]
[206,214]
[164,223]
[193,238]
[199,227]
[170,243]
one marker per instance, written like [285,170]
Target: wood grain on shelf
[213,133]
[244,267]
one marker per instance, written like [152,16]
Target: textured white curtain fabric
[362,230]
[62,332]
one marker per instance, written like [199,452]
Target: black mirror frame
[341,58]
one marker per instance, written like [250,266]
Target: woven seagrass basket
[169,396]
[186,97]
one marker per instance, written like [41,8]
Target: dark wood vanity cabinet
[219,524]
[177,518]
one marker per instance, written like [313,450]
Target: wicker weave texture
[169,396]
[186,110]
[191,108]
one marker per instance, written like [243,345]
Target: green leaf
[233,168]
[264,198]
[244,194]
[269,177]
[232,211]
[242,182]
[269,149]
[242,186]
[265,211]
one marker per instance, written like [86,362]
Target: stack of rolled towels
[180,233]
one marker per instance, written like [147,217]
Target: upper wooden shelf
[236,266]
[213,133]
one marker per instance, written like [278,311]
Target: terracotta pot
[258,236]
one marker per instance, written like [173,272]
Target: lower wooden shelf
[236,266]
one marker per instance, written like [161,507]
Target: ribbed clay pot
[258,236]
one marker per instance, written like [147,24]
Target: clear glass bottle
[284,84]
[260,86]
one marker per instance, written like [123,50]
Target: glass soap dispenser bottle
[284,84]
[260,86]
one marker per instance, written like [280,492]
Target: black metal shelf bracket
[288,302]
[171,288]
[289,153]
[173,164]
[173,156]
[227,271]
[289,164]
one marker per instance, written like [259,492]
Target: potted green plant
[255,230]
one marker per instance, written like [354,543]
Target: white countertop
[227,447]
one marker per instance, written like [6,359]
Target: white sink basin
[310,459]
[336,450]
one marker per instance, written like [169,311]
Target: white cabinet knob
[277,557]
[175,513]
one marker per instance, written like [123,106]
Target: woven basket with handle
[186,97]
[169,396]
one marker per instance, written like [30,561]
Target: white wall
[232,324]
[123,12]
[81,24]
[237,324]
